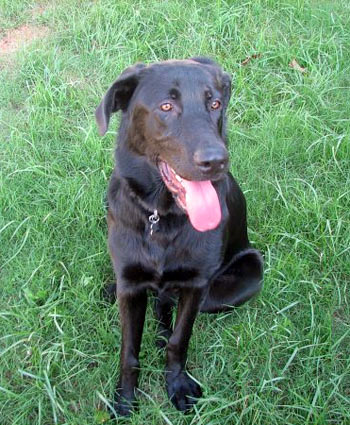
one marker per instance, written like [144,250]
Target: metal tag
[153,219]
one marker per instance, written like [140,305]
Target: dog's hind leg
[109,292]
[237,284]
[164,304]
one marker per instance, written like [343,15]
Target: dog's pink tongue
[202,204]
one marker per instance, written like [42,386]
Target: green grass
[283,358]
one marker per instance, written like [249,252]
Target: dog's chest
[170,258]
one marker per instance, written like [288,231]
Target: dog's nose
[211,160]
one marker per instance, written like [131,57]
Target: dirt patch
[38,10]
[20,37]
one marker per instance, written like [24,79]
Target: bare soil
[20,37]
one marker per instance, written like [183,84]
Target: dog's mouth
[198,199]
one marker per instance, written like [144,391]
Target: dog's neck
[145,183]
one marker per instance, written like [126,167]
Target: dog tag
[153,219]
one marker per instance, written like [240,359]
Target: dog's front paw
[183,391]
[163,338]
[122,406]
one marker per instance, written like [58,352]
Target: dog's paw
[163,338]
[122,407]
[183,391]
[109,293]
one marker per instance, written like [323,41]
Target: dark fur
[206,271]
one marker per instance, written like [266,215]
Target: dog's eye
[215,105]
[166,107]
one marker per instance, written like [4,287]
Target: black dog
[177,218]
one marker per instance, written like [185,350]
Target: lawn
[283,358]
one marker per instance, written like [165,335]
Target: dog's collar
[153,219]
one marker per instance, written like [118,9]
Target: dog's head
[175,116]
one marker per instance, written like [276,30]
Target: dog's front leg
[132,310]
[182,390]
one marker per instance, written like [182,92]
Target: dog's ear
[226,87]
[205,61]
[224,82]
[118,96]
[226,90]
[223,78]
